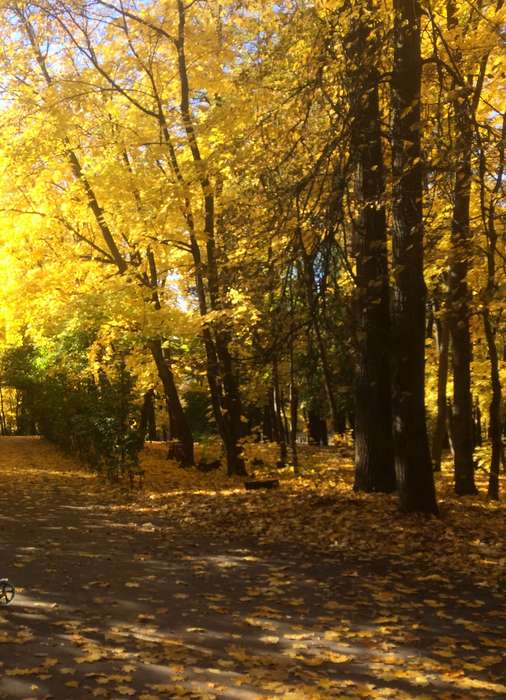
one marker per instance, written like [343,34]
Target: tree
[462,407]
[232,175]
[490,323]
[131,31]
[374,459]
[114,248]
[412,456]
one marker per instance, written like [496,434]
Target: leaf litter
[196,588]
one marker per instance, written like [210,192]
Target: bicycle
[7,591]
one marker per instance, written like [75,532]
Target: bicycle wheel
[7,591]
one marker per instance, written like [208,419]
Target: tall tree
[458,302]
[221,373]
[374,457]
[168,110]
[440,428]
[114,252]
[489,318]
[412,455]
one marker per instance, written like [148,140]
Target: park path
[114,603]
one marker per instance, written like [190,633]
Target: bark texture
[374,456]
[412,456]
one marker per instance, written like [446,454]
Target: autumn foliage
[241,221]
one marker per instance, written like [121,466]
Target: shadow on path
[112,605]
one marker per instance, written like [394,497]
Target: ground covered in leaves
[193,587]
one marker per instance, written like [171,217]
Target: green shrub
[93,417]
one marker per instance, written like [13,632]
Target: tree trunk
[324,433]
[147,425]
[412,456]
[341,422]
[267,422]
[489,219]
[3,422]
[223,385]
[477,428]
[294,402]
[232,422]
[314,424]
[374,457]
[462,407]
[280,430]
[308,275]
[494,409]
[179,426]
[440,429]
[294,407]
[458,292]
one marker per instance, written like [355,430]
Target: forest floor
[194,588]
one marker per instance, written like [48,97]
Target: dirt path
[113,604]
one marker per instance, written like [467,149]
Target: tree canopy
[257,221]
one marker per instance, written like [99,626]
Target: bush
[94,417]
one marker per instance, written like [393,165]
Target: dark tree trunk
[440,430]
[267,423]
[147,425]
[232,429]
[494,409]
[278,416]
[341,423]
[223,385]
[458,292]
[462,407]
[351,421]
[309,282]
[412,456]
[294,399]
[294,408]
[3,422]
[314,425]
[496,427]
[179,426]
[477,429]
[374,457]
[315,392]
[324,433]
